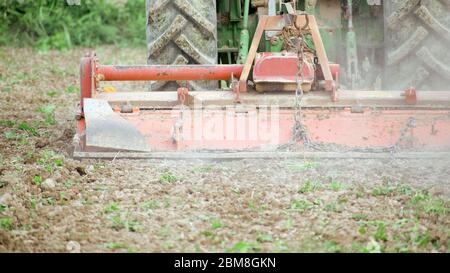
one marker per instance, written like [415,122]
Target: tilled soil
[52,203]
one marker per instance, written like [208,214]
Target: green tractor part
[352,50]
[379,44]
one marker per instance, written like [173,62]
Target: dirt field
[52,203]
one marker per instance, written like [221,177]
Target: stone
[6,199]
[73,247]
[49,184]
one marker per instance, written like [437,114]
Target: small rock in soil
[73,247]
[48,184]
[41,143]
[6,199]
[90,169]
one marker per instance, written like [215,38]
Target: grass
[150,205]
[124,222]
[48,113]
[380,234]
[48,160]
[62,197]
[301,205]
[216,224]
[164,232]
[371,247]
[423,202]
[49,201]
[422,239]
[6,223]
[203,169]
[168,177]
[69,184]
[404,190]
[111,207]
[280,246]
[10,134]
[309,186]
[436,207]
[242,247]
[383,190]
[120,220]
[336,186]
[73,89]
[58,162]
[264,238]
[116,246]
[333,207]
[37,180]
[53,24]
[8,123]
[360,217]
[29,129]
[53,93]
[20,132]
[301,167]
[332,246]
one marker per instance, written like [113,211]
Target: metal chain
[410,124]
[299,130]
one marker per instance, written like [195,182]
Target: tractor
[381,45]
[268,78]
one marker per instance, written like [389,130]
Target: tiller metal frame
[234,122]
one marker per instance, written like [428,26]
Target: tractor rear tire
[417,37]
[182,32]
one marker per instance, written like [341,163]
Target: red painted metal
[182,93]
[335,71]
[276,23]
[168,72]
[231,130]
[87,83]
[280,68]
[411,96]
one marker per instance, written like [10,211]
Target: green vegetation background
[54,24]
